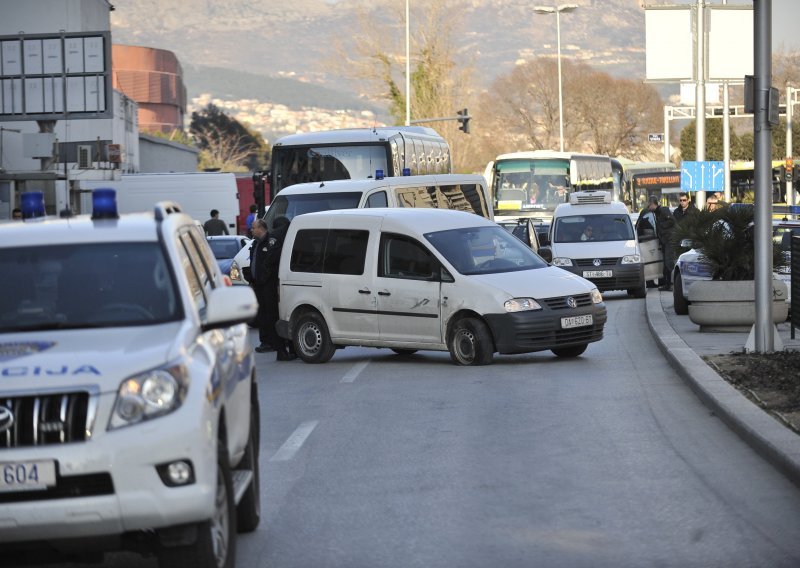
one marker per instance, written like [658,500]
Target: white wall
[51,16]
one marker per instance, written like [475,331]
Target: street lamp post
[557,11]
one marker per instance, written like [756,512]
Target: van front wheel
[470,343]
[312,341]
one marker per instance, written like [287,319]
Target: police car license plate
[27,475]
[576,321]
[597,273]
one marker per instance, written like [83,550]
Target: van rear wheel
[470,343]
[312,340]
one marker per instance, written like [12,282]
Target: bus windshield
[530,185]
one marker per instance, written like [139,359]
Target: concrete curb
[773,441]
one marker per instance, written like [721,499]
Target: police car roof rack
[164,208]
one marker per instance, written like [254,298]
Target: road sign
[655,137]
[702,176]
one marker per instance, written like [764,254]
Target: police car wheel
[679,301]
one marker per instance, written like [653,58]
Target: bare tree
[223,150]
[439,86]
[602,114]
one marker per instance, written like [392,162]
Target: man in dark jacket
[215,226]
[684,208]
[662,221]
[265,259]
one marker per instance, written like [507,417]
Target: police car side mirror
[229,305]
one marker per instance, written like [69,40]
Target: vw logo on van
[6,419]
[597,262]
[572,302]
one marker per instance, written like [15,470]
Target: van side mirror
[546,253]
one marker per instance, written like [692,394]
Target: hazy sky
[785,22]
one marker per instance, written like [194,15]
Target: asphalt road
[379,461]
[610,460]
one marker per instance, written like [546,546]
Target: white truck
[197,193]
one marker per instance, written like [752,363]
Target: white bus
[533,184]
[357,153]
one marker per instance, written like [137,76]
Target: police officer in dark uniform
[265,259]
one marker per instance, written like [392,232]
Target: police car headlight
[236,273]
[561,261]
[149,395]
[597,297]
[521,305]
[632,259]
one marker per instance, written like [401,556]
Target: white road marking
[354,372]
[294,442]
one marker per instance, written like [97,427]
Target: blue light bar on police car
[104,203]
[406,171]
[378,174]
[32,204]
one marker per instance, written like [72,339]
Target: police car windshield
[290,206]
[86,285]
[484,250]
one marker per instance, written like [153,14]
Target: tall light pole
[408,69]
[557,11]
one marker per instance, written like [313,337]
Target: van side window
[401,257]
[377,199]
[345,251]
[418,197]
[308,250]
[335,251]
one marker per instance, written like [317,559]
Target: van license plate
[27,475]
[597,273]
[576,321]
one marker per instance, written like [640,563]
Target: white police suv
[129,415]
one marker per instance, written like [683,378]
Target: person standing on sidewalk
[662,221]
[684,209]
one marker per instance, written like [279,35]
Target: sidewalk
[683,344]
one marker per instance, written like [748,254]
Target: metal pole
[726,139]
[666,134]
[789,112]
[700,95]
[764,339]
[560,95]
[408,69]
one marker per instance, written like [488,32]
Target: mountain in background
[285,44]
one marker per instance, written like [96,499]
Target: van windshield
[578,228]
[290,206]
[484,250]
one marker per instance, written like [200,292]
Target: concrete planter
[721,305]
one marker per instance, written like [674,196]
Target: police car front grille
[560,303]
[44,419]
[590,261]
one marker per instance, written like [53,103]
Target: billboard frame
[56,76]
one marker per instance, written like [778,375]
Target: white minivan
[463,192]
[411,279]
[593,237]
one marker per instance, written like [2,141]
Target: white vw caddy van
[410,279]
[593,237]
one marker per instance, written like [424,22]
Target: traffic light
[464,118]
[789,169]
